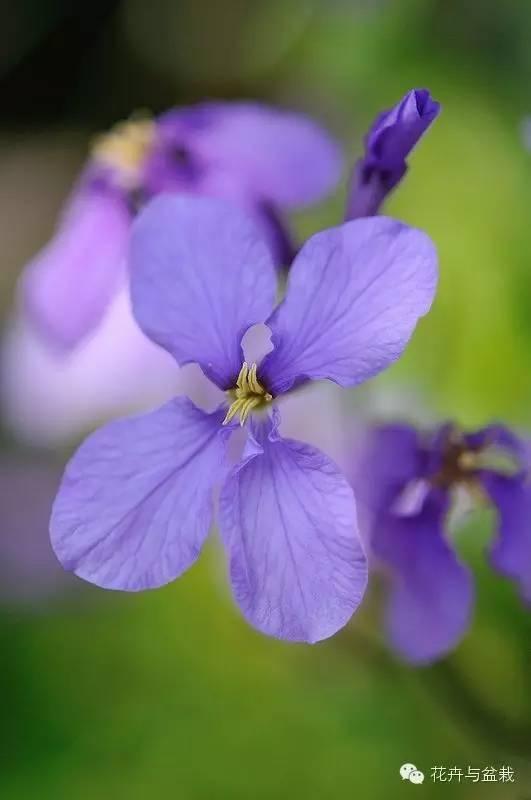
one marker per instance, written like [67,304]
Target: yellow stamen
[468,460]
[248,394]
[125,147]
[494,458]
[241,380]
[253,381]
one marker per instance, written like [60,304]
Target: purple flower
[262,159]
[49,400]
[407,484]
[392,137]
[135,504]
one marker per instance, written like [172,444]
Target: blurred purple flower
[407,485]
[135,504]
[263,159]
[50,398]
[392,137]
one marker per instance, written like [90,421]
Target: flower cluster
[136,502]
[73,355]
[264,160]
[186,214]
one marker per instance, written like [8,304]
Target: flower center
[248,395]
[462,463]
[125,146]
[458,464]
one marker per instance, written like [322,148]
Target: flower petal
[278,157]
[68,285]
[287,518]
[499,436]
[47,399]
[355,294]
[277,234]
[386,459]
[511,551]
[135,504]
[200,277]
[432,592]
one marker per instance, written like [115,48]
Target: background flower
[60,373]
[407,483]
[261,158]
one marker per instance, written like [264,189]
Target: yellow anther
[125,147]
[248,394]
[253,381]
[241,380]
[468,460]
[234,408]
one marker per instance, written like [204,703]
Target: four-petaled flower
[135,504]
[407,483]
[393,135]
[263,159]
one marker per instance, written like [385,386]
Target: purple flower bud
[391,139]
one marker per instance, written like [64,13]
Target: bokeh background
[170,693]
